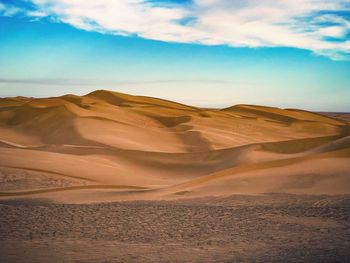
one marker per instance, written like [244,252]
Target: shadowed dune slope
[119,146]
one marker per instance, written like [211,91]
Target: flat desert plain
[111,177]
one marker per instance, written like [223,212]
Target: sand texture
[267,228]
[109,170]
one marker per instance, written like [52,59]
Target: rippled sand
[268,228]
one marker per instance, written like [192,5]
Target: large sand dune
[111,146]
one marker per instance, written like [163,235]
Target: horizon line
[174,101]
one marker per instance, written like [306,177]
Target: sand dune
[113,146]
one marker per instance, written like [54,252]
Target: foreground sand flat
[265,228]
[244,183]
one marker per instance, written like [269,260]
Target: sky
[212,53]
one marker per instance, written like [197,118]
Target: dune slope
[112,146]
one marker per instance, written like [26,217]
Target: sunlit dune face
[155,148]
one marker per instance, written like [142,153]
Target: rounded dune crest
[120,146]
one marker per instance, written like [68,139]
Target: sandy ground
[265,228]
[110,177]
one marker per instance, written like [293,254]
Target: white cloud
[302,24]
[8,10]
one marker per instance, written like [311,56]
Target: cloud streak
[321,26]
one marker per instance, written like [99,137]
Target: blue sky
[203,52]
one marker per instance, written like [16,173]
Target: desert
[112,177]
[175,131]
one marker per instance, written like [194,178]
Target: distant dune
[339,115]
[112,146]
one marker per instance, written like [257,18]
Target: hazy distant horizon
[203,104]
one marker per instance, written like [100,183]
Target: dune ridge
[119,147]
